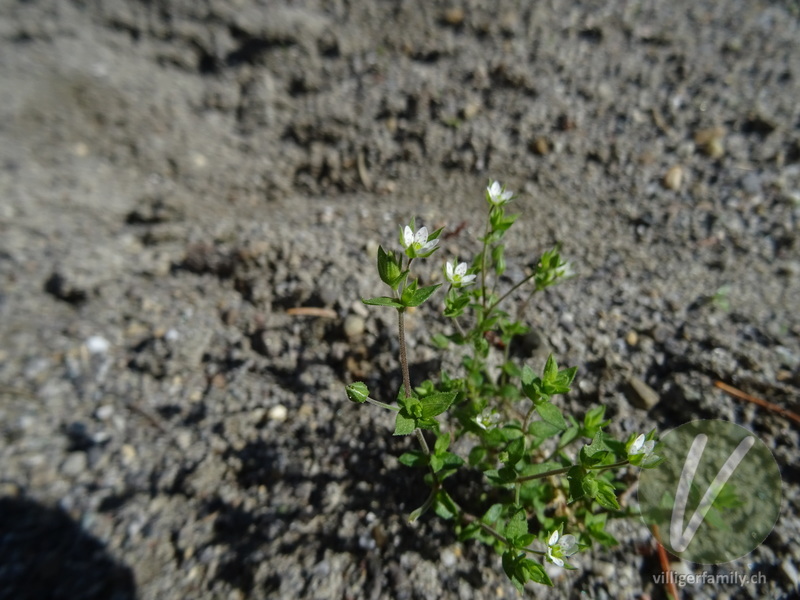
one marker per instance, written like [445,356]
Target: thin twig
[312,311]
[736,393]
[664,560]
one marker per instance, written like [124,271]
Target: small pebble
[105,412]
[448,558]
[790,572]
[453,16]
[642,395]
[674,178]
[632,338]
[128,454]
[278,413]
[354,326]
[74,465]
[183,439]
[97,345]
[540,146]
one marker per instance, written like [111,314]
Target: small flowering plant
[545,473]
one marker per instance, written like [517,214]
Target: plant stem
[560,471]
[483,259]
[563,470]
[383,404]
[403,356]
[468,518]
[510,291]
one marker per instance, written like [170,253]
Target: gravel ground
[176,176]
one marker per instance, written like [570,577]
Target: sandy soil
[175,176]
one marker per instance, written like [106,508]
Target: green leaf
[575,477]
[444,506]
[441,444]
[543,430]
[437,462]
[536,572]
[515,451]
[357,392]
[602,536]
[569,435]
[511,560]
[594,453]
[527,375]
[435,235]
[476,455]
[382,301]
[404,424]
[517,525]
[594,418]
[419,296]
[440,341]
[413,458]
[550,370]
[493,514]
[605,496]
[550,413]
[436,404]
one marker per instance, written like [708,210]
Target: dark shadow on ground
[45,555]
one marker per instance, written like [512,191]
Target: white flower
[417,244]
[457,275]
[565,270]
[640,451]
[488,419]
[559,546]
[497,194]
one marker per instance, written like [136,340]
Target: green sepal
[357,392]
[605,495]
[389,269]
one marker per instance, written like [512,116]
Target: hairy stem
[403,356]
[563,470]
[468,518]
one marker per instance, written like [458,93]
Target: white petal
[408,236]
[468,279]
[557,561]
[636,446]
[648,446]
[461,269]
[569,544]
[553,538]
[422,236]
[448,266]
[494,189]
[430,244]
